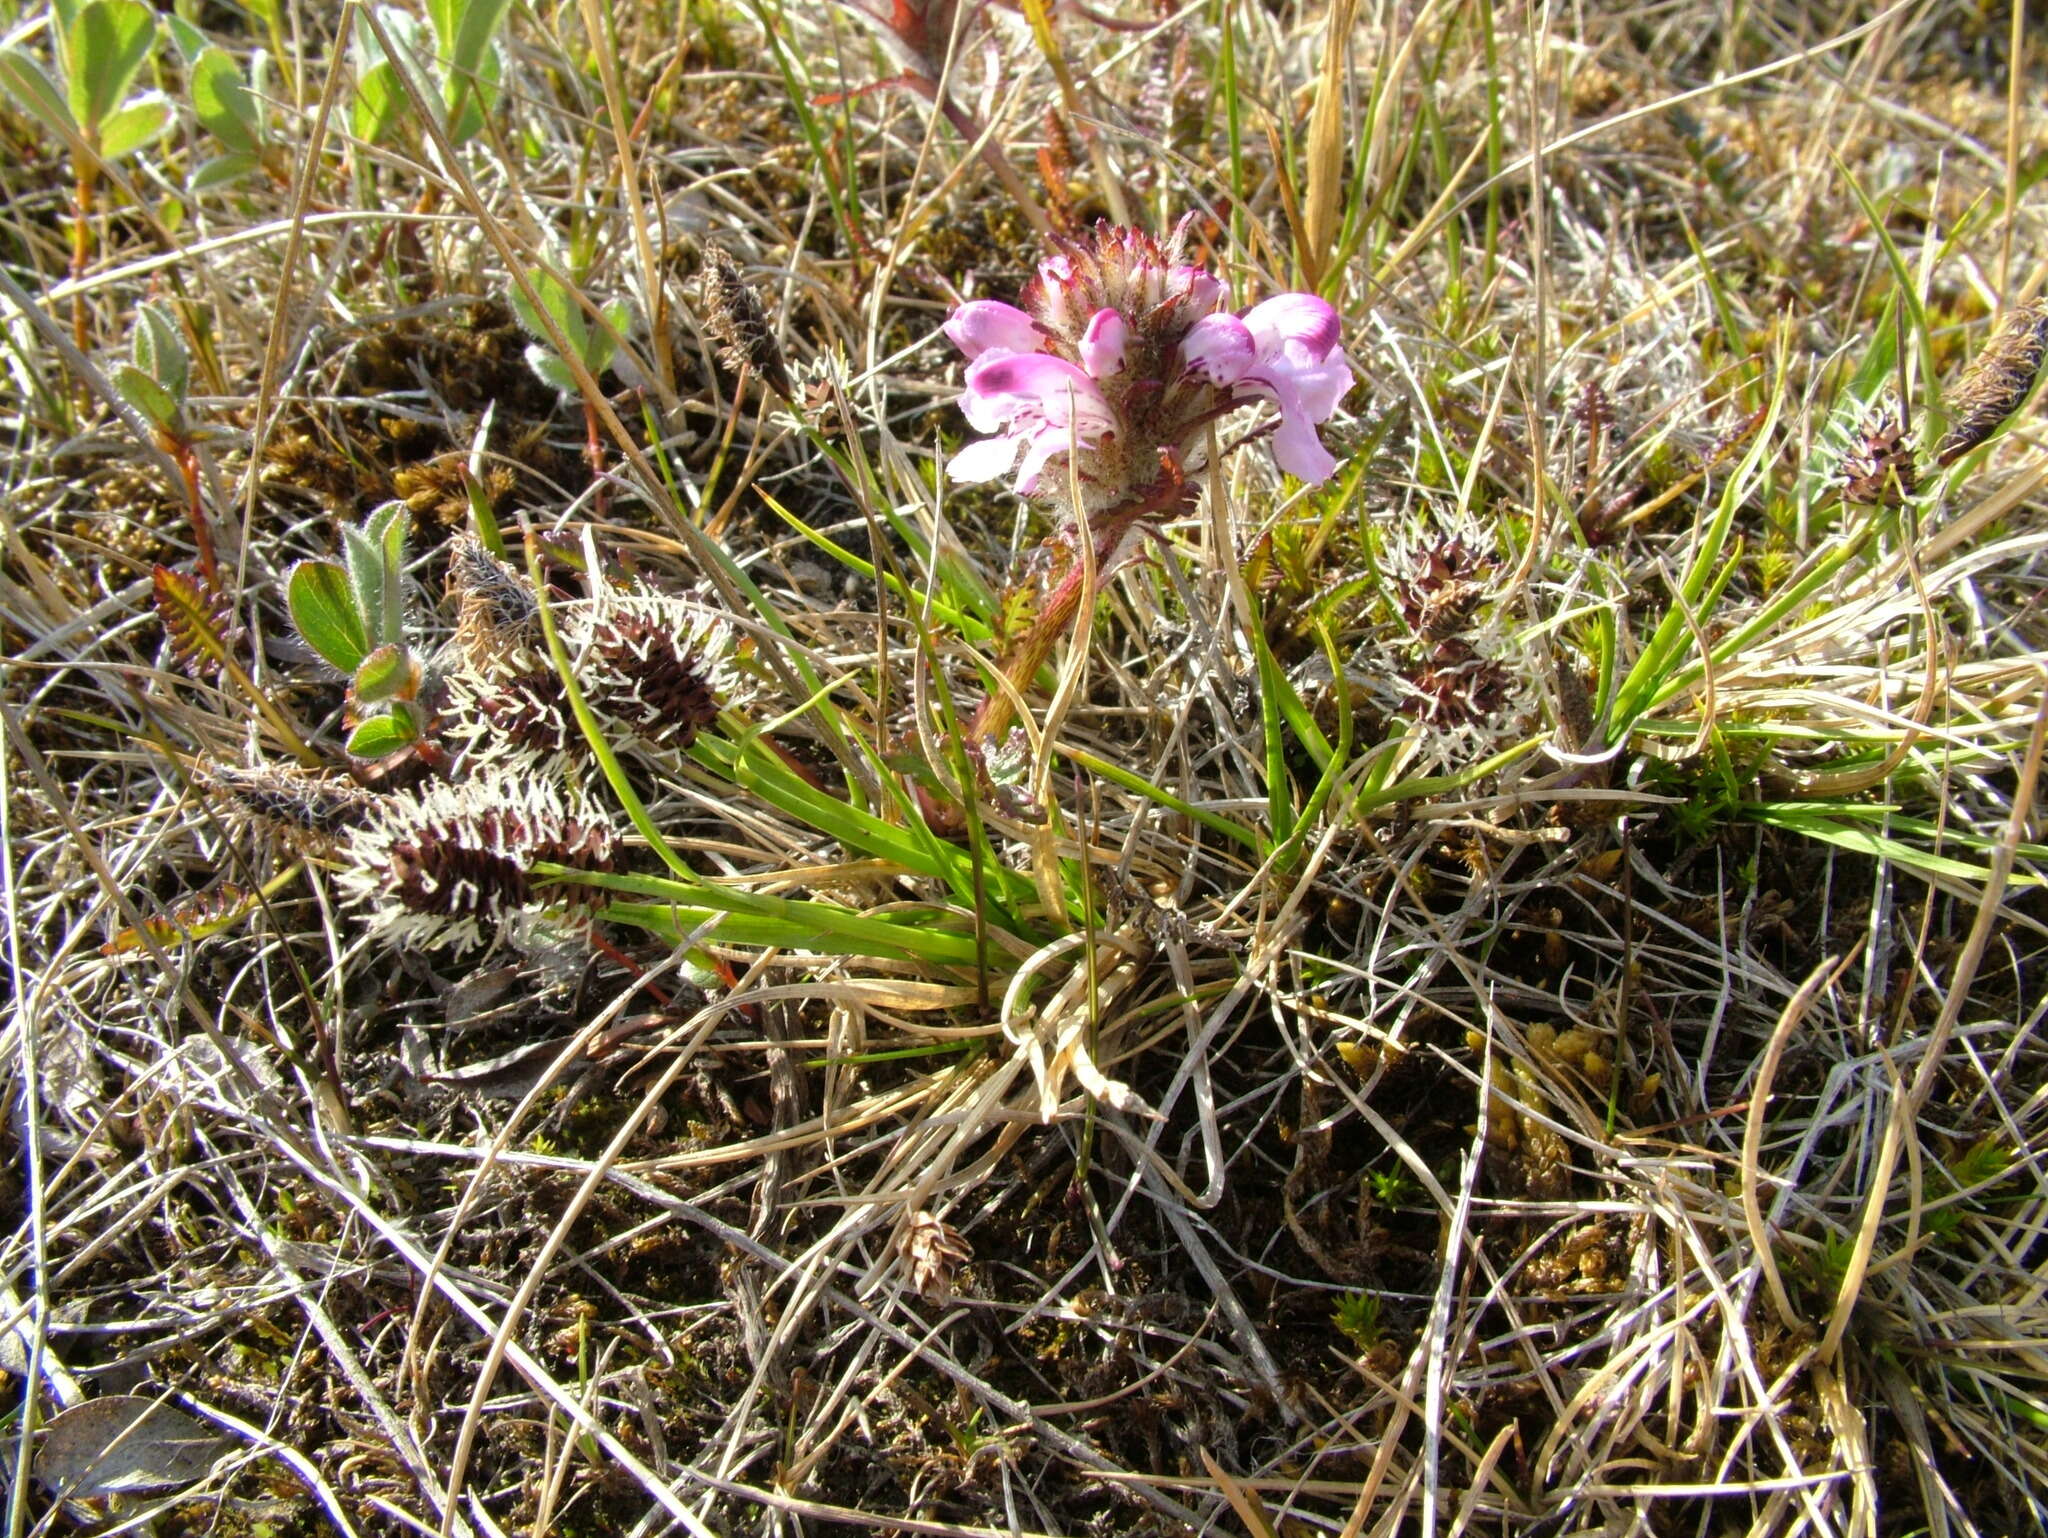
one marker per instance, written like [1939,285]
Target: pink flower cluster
[1122,353]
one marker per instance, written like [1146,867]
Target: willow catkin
[736,320]
[1997,382]
[449,864]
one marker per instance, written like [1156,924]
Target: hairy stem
[1055,617]
[187,459]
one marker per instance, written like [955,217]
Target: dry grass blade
[1496,992]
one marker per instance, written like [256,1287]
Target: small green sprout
[1983,1163]
[1394,1187]
[560,313]
[593,345]
[156,382]
[353,614]
[1357,1317]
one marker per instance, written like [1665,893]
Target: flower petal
[983,460]
[1102,343]
[1055,292]
[1039,385]
[1219,348]
[1302,319]
[1038,448]
[985,325]
[1322,385]
[1298,451]
[987,413]
[1296,448]
[1198,290]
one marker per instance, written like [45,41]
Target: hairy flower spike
[735,319]
[653,668]
[446,863]
[531,709]
[1120,354]
[498,620]
[653,679]
[1879,468]
[1997,382]
[305,808]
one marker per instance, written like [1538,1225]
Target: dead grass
[1536,946]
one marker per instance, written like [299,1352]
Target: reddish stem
[1056,616]
[613,954]
[187,460]
[81,245]
[593,449]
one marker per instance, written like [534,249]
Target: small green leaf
[476,23]
[380,93]
[378,100]
[560,306]
[365,581]
[30,85]
[375,556]
[376,565]
[190,41]
[141,122]
[551,370]
[468,61]
[388,673]
[159,350]
[325,613]
[109,41]
[604,340]
[381,736]
[223,103]
[223,171]
[142,392]
[388,526]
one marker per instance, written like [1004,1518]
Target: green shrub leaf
[381,736]
[31,86]
[142,392]
[325,613]
[141,122]
[388,673]
[223,103]
[378,98]
[223,171]
[159,350]
[109,41]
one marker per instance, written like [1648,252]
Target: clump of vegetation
[1032,768]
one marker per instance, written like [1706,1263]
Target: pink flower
[988,325]
[1038,403]
[1119,353]
[1102,344]
[1285,351]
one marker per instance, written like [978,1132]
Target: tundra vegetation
[1259,766]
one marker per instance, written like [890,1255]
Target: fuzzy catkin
[1997,382]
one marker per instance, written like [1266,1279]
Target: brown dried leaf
[124,1444]
[932,1250]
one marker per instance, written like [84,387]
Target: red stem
[202,535]
[1055,617]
